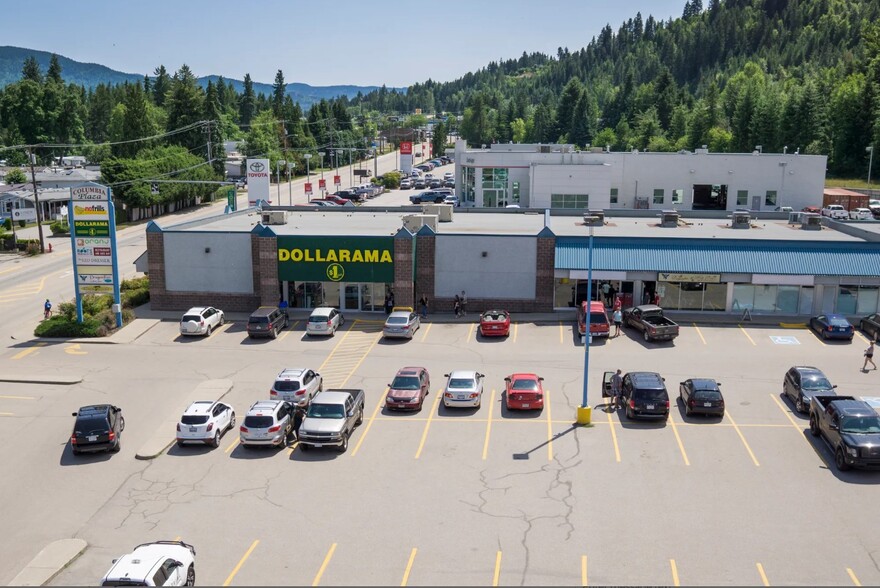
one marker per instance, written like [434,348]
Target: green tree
[247,107]
[161,85]
[583,124]
[99,110]
[213,115]
[30,70]
[135,123]
[518,130]
[606,138]
[720,140]
[278,91]
[185,106]
[567,104]
[15,176]
[647,127]
[438,141]
[53,75]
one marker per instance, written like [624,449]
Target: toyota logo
[257,166]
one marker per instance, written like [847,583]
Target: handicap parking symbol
[785,340]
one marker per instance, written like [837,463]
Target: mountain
[92,74]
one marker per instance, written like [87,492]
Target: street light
[291,165]
[584,412]
[870,149]
[308,156]
[321,154]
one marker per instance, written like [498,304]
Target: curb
[59,380]
[49,562]
[164,437]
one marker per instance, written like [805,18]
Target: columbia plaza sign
[335,259]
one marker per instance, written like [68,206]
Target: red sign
[322,185]
[308,187]
[406,148]
[337,181]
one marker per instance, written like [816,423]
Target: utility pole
[207,129]
[32,158]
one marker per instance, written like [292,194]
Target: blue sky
[363,42]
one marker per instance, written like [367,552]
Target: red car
[495,323]
[524,392]
[812,209]
[408,390]
[336,199]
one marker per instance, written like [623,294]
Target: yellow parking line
[28,351]
[584,570]
[746,334]
[233,445]
[12,269]
[240,563]
[367,428]
[488,425]
[333,351]
[852,576]
[613,438]
[292,448]
[515,331]
[672,565]
[18,397]
[684,454]
[284,335]
[7,414]
[428,330]
[742,438]
[700,333]
[763,575]
[549,426]
[471,332]
[862,337]
[293,326]
[497,574]
[361,360]
[412,558]
[428,423]
[323,567]
[785,412]
[561,333]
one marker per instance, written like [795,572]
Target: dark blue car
[832,326]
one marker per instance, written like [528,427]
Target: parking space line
[852,576]
[12,269]
[561,334]
[549,426]
[233,445]
[515,331]
[293,447]
[222,328]
[489,424]
[747,334]
[293,326]
[428,330]
[367,428]
[684,454]
[742,438]
[27,351]
[177,538]
[323,567]
[800,430]
[412,558]
[284,335]
[428,423]
[5,397]
[862,337]
[583,570]
[613,438]
[471,332]
[700,333]
[497,574]
[674,568]
[7,414]
[240,563]
[763,575]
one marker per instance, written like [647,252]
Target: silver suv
[160,563]
[297,386]
[267,423]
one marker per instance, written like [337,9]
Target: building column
[545,266]
[403,268]
[156,267]
[264,255]
[425,259]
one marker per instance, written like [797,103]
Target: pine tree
[185,106]
[565,110]
[135,122]
[278,91]
[53,75]
[212,114]
[583,127]
[247,107]
[161,85]
[31,70]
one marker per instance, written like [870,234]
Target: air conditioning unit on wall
[274,217]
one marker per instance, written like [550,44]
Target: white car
[835,211]
[267,423]
[296,385]
[205,421]
[451,199]
[201,320]
[324,321]
[160,563]
[448,175]
[464,388]
[861,214]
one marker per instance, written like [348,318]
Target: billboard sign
[334,259]
[24,214]
[257,180]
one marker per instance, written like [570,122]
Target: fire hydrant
[50,248]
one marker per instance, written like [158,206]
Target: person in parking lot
[869,356]
[618,320]
[423,306]
[463,303]
[456,306]
[616,387]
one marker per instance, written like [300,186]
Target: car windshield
[194,419]
[460,383]
[530,385]
[815,383]
[862,425]
[396,320]
[91,424]
[838,322]
[405,383]
[326,411]
[258,422]
[319,318]
[651,395]
[494,317]
[190,317]
[286,385]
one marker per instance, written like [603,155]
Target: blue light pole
[584,412]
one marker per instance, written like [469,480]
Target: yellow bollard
[584,415]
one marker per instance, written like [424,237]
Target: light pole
[291,165]
[338,155]
[870,149]
[278,164]
[584,412]
[307,157]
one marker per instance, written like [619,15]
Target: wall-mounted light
[207,250]
[693,171]
[485,254]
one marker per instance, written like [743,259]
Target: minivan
[599,326]
[266,321]
[645,396]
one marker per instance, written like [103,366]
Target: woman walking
[869,356]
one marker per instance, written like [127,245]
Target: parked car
[322,202]
[401,323]
[205,421]
[451,199]
[832,326]
[420,184]
[201,320]
[435,183]
[405,184]
[324,321]
[860,214]
[349,194]
[446,160]
[408,389]
[98,427]
[160,563]
[464,388]
[495,323]
[331,418]
[812,209]
[649,319]
[701,396]
[336,199]
[267,423]
[598,317]
[524,391]
[850,427]
[801,383]
[296,385]
[835,211]
[266,321]
[450,183]
[448,175]
[645,396]
[429,177]
[428,196]
[784,209]
[870,325]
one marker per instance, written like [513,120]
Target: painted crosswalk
[349,353]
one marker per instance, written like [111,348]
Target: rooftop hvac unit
[274,217]
[669,218]
[442,211]
[414,222]
[811,222]
[794,218]
[594,218]
[741,219]
[545,149]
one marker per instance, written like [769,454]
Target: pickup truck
[835,211]
[331,418]
[649,319]
[850,427]
[429,196]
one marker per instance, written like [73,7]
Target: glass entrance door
[352,297]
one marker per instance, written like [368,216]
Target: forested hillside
[732,74]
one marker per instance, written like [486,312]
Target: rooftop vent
[274,217]
[594,218]
[669,218]
[741,219]
[794,217]
[811,222]
[414,222]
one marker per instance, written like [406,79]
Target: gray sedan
[401,323]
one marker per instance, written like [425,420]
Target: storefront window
[569,200]
[692,296]
[494,182]
[515,192]
[855,299]
[765,298]
[787,299]
[770,298]
[468,189]
[742,197]
[715,297]
[867,300]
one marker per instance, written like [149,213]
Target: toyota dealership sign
[257,180]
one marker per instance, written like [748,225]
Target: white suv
[201,320]
[297,386]
[268,422]
[160,563]
[205,421]
[324,321]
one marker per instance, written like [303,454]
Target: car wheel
[208,331]
[687,410]
[840,460]
[344,446]
[191,576]
[216,441]
[360,418]
[121,424]
[231,422]
[814,426]
[274,334]
[825,335]
[647,338]
[799,404]
[222,320]
[117,447]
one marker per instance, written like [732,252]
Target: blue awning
[715,256]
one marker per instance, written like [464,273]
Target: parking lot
[451,497]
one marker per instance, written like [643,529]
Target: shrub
[391,180]
[134,298]
[93,304]
[7,224]
[33,248]
[135,284]
[61,326]
[59,228]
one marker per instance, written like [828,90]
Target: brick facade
[544,270]
[265,261]
[425,254]
[403,271]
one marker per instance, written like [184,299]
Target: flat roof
[387,222]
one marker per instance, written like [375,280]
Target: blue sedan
[832,326]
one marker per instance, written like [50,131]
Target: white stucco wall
[593,179]
[507,271]
[226,268]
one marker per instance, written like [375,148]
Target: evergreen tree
[247,107]
[31,70]
[161,85]
[213,115]
[135,123]
[278,92]
[565,110]
[185,107]
[584,123]
[53,75]
[542,124]
[100,109]
[438,141]
[665,97]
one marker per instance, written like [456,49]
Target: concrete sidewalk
[50,379]
[52,559]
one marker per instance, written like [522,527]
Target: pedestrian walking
[616,388]
[423,306]
[618,320]
[456,306]
[388,304]
[47,309]
[869,356]
[463,303]
[606,294]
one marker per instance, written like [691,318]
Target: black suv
[803,382]
[645,396]
[97,428]
[266,321]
